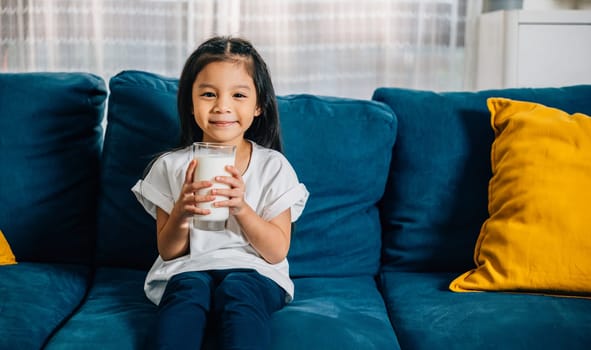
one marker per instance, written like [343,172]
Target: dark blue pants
[237,303]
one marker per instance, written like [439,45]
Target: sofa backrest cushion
[340,149]
[437,193]
[141,122]
[50,143]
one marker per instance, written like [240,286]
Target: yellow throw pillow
[6,256]
[538,236]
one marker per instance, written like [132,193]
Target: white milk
[208,167]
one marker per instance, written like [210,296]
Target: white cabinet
[527,48]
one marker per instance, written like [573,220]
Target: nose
[222,105]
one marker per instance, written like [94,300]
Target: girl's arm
[173,230]
[271,239]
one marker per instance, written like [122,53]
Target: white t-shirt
[271,186]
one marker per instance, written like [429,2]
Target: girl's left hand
[235,193]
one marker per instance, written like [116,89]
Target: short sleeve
[155,189]
[295,199]
[281,188]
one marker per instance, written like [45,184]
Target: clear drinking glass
[212,158]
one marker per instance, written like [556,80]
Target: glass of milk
[212,159]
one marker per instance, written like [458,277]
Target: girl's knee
[190,280]
[248,290]
[240,285]
[188,285]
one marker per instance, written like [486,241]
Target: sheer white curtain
[329,47]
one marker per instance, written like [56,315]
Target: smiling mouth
[221,124]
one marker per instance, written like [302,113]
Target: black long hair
[265,129]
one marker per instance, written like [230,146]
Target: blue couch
[398,193]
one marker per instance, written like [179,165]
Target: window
[328,47]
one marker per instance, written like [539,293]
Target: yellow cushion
[537,238]
[6,256]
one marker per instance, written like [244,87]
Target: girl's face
[224,102]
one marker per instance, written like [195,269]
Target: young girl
[239,276]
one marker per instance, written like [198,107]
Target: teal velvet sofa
[398,190]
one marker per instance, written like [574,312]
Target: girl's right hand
[187,204]
[173,229]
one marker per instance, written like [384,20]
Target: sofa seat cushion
[426,315]
[327,313]
[334,313]
[115,315]
[436,198]
[35,299]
